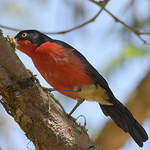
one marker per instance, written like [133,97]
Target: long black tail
[125,120]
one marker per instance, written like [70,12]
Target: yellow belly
[94,93]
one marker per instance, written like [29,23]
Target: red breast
[60,67]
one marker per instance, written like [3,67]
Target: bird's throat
[26,47]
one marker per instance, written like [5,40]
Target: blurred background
[116,52]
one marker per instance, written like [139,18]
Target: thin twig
[136,32]
[102,5]
[9,28]
[64,31]
[56,101]
[144,33]
[59,32]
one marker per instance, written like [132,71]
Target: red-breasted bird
[64,68]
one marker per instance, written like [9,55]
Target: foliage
[128,53]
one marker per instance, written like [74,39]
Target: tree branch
[42,121]
[136,32]
[100,4]
[59,32]
[68,30]
[139,104]
[10,28]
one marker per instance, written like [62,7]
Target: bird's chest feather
[67,71]
[61,71]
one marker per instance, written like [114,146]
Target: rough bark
[139,104]
[41,120]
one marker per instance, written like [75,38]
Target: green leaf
[132,51]
[129,52]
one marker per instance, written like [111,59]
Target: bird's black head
[33,36]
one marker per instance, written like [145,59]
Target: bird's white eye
[24,35]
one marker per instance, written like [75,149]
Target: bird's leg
[50,95]
[78,126]
[57,102]
[76,106]
[63,90]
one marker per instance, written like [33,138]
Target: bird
[68,71]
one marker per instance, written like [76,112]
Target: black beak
[16,38]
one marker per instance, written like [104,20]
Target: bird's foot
[51,96]
[78,126]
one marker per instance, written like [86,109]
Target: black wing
[118,112]
[90,70]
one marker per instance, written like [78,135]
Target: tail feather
[125,120]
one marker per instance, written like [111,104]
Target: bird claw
[78,126]
[83,118]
